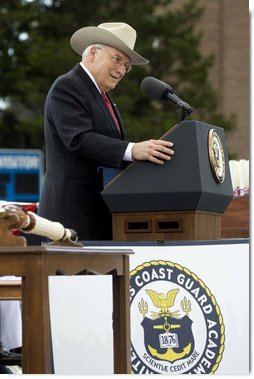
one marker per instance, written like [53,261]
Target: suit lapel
[89,83]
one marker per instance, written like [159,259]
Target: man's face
[108,66]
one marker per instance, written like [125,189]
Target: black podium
[183,199]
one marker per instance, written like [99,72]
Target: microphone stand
[183,109]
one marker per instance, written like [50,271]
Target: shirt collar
[90,75]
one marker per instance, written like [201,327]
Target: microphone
[161,91]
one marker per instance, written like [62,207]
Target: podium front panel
[184,183]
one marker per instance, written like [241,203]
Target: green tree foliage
[34,50]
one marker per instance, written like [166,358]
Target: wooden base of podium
[165,226]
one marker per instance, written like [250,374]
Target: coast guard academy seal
[177,326]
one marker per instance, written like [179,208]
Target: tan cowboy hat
[117,34]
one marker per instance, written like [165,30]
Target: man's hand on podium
[156,151]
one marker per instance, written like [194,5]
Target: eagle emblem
[163,302]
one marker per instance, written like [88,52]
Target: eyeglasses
[117,60]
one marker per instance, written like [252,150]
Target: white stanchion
[239,171]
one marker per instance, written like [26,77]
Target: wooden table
[34,264]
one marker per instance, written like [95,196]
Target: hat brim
[92,34]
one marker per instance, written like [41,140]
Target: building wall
[225,25]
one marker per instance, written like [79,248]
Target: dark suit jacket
[80,136]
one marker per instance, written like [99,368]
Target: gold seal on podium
[216,156]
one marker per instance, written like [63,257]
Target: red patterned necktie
[110,108]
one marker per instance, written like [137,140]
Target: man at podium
[83,131]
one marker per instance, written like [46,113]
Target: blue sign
[21,173]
